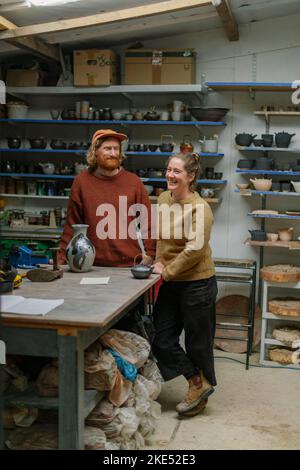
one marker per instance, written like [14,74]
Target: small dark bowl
[38,143]
[245,164]
[153,147]
[140,271]
[14,142]
[166,147]
[257,142]
[57,144]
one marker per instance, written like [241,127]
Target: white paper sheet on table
[94,280]
[20,305]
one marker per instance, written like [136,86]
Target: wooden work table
[88,312]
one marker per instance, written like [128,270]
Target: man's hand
[158,268]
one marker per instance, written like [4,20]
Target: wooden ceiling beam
[111,17]
[230,25]
[35,45]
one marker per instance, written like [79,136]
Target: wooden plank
[111,17]
[227,18]
[35,45]
[292,245]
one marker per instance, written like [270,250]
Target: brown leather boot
[194,411]
[199,389]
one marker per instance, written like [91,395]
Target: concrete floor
[254,409]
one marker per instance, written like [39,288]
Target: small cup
[164,116]
[55,113]
[176,115]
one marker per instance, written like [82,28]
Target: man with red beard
[103,197]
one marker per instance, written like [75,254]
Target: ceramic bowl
[272,237]
[242,185]
[140,271]
[262,184]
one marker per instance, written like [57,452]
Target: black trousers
[188,306]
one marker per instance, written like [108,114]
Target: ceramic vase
[80,252]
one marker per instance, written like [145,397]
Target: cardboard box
[23,78]
[155,67]
[95,67]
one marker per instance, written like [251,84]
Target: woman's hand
[158,268]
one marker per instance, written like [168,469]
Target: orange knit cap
[105,133]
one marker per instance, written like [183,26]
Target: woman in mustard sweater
[186,300]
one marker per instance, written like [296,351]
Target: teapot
[48,168]
[244,139]
[209,145]
[286,234]
[186,145]
[283,139]
[258,235]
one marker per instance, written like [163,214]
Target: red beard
[109,163]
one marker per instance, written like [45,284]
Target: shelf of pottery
[270,177]
[280,333]
[38,171]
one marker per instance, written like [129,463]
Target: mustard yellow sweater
[184,233]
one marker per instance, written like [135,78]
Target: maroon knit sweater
[87,194]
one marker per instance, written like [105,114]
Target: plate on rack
[292,212]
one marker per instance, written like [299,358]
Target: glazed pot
[283,139]
[267,140]
[209,145]
[296,185]
[38,143]
[261,184]
[244,139]
[258,235]
[166,147]
[245,164]
[57,144]
[141,271]
[151,116]
[264,163]
[80,252]
[48,168]
[286,234]
[272,237]
[14,142]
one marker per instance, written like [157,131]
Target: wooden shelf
[292,245]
